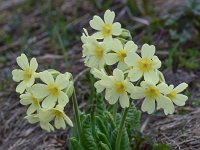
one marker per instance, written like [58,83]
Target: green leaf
[88,141]
[159,146]
[109,117]
[100,105]
[132,119]
[103,146]
[75,144]
[125,144]
[104,139]
[102,126]
[114,137]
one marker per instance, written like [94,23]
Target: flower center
[35,101]
[119,87]
[172,95]
[98,52]
[152,92]
[53,89]
[106,30]
[121,54]
[145,65]
[28,74]
[57,113]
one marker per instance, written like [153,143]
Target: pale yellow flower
[30,99]
[117,87]
[153,94]
[174,94]
[34,118]
[94,53]
[26,74]
[119,53]
[106,29]
[57,114]
[101,84]
[53,90]
[146,65]
[70,88]
[46,116]
[85,37]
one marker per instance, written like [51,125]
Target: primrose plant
[122,76]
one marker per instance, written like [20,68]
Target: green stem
[119,134]
[76,113]
[115,111]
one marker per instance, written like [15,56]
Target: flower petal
[97,35]
[30,82]
[18,75]
[117,45]
[109,16]
[67,119]
[134,75]
[96,23]
[122,66]
[147,51]
[93,62]
[32,118]
[181,87]
[138,93]
[22,61]
[40,90]
[25,100]
[97,73]
[107,82]
[46,77]
[33,64]
[21,87]
[99,87]
[148,106]
[63,99]
[146,84]
[62,81]
[163,88]
[166,104]
[49,102]
[46,126]
[31,109]
[132,59]
[156,62]
[129,87]
[180,99]
[59,123]
[124,100]
[46,115]
[116,29]
[118,74]
[131,46]
[151,76]
[111,58]
[111,96]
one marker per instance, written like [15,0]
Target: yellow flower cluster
[47,99]
[135,76]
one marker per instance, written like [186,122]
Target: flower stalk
[119,134]
[115,111]
[76,113]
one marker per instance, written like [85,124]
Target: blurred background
[50,31]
